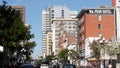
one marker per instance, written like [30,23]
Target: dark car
[26,66]
[44,66]
[56,66]
[68,66]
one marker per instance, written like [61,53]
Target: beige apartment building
[49,43]
[53,12]
[64,32]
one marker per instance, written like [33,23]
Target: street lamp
[23,55]
[102,50]
[69,57]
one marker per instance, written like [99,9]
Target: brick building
[21,9]
[94,22]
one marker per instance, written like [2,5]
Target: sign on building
[100,11]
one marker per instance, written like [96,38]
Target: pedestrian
[110,65]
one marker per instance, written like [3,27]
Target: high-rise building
[21,9]
[53,12]
[94,22]
[64,33]
[49,43]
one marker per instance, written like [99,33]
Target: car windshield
[44,66]
[26,66]
[68,66]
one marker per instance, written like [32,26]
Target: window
[50,36]
[99,35]
[74,27]
[52,15]
[99,17]
[62,11]
[69,23]
[65,27]
[52,11]
[69,27]
[99,26]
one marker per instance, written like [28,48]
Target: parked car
[44,66]
[26,65]
[56,65]
[68,66]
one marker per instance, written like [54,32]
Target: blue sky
[34,13]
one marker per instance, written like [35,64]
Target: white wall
[88,41]
[118,22]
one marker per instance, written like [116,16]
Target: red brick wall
[91,27]
[113,2]
[107,23]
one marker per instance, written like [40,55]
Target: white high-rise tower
[53,12]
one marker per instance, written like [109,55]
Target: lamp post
[102,51]
[23,55]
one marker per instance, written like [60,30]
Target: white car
[44,66]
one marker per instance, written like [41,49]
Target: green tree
[13,31]
[63,55]
[113,49]
[29,46]
[73,54]
[118,52]
[50,58]
[110,50]
[96,49]
[95,46]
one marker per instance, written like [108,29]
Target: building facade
[49,43]
[94,22]
[53,12]
[21,9]
[116,5]
[64,33]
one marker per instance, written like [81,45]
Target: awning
[93,59]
